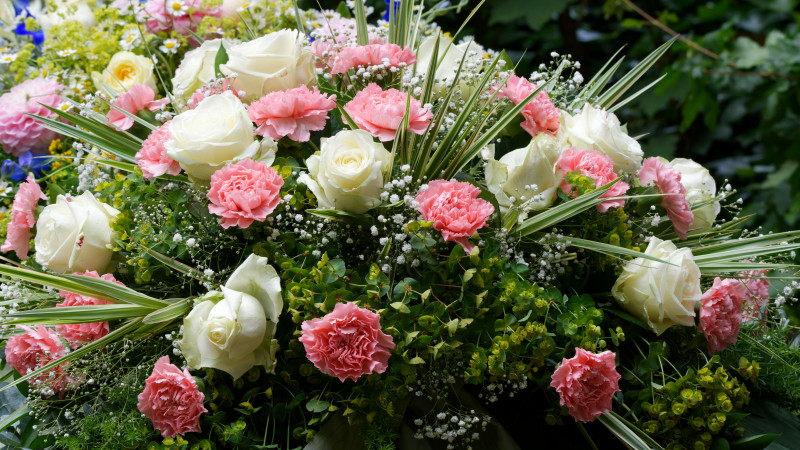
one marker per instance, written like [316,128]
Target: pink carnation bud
[35,348]
[243,192]
[386,55]
[23,218]
[19,132]
[668,181]
[586,383]
[540,115]
[347,342]
[596,166]
[153,159]
[182,16]
[721,313]
[381,112]
[171,400]
[293,113]
[455,210]
[80,333]
[138,98]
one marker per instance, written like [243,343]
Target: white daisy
[170,46]
[130,39]
[177,8]
[66,53]
[8,58]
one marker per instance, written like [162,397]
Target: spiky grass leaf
[612,250]
[76,314]
[168,313]
[563,211]
[628,433]
[361,23]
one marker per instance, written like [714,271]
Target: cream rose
[214,134]
[660,294]
[60,11]
[275,62]
[596,129]
[700,188]
[197,67]
[525,177]
[230,8]
[74,235]
[123,71]
[449,59]
[348,174]
[235,330]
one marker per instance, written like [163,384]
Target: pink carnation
[171,400]
[153,159]
[168,15]
[455,210]
[596,166]
[721,313]
[668,181]
[23,218]
[386,55]
[138,98]
[347,342]
[35,348]
[586,383]
[80,333]
[381,112]
[243,192]
[541,116]
[20,133]
[293,113]
[757,295]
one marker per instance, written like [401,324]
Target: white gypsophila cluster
[564,81]
[503,387]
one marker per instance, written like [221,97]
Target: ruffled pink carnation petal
[171,400]
[20,133]
[168,15]
[138,98]
[243,192]
[293,113]
[386,55]
[586,383]
[347,343]
[540,115]
[597,166]
[81,333]
[153,159]
[721,313]
[23,218]
[381,112]
[668,181]
[455,210]
[35,348]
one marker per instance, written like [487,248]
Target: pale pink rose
[153,159]
[20,133]
[455,210]
[23,218]
[586,383]
[171,400]
[540,115]
[81,333]
[380,112]
[386,55]
[293,113]
[243,192]
[138,98]
[35,348]
[347,342]
[721,313]
[182,16]
[668,181]
[597,166]
[757,298]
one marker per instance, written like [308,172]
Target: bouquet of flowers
[247,225]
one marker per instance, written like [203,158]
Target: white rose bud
[660,294]
[275,62]
[66,10]
[700,188]
[596,129]
[75,235]
[123,71]
[216,133]
[197,67]
[525,177]
[235,330]
[348,174]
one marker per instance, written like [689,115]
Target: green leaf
[317,406]
[628,433]
[362,35]
[748,54]
[563,211]
[342,216]
[758,442]
[221,58]
[14,417]
[168,313]
[609,249]
[76,314]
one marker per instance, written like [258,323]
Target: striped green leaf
[555,215]
[76,314]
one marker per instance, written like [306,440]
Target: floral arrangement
[246,225]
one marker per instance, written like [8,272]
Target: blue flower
[20,7]
[396,9]
[18,170]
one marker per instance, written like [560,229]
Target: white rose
[449,59]
[214,134]
[596,129]
[235,330]
[525,177]
[197,67]
[123,71]
[700,188]
[8,20]
[660,294]
[74,235]
[275,62]
[230,8]
[60,11]
[348,173]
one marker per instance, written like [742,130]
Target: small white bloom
[170,46]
